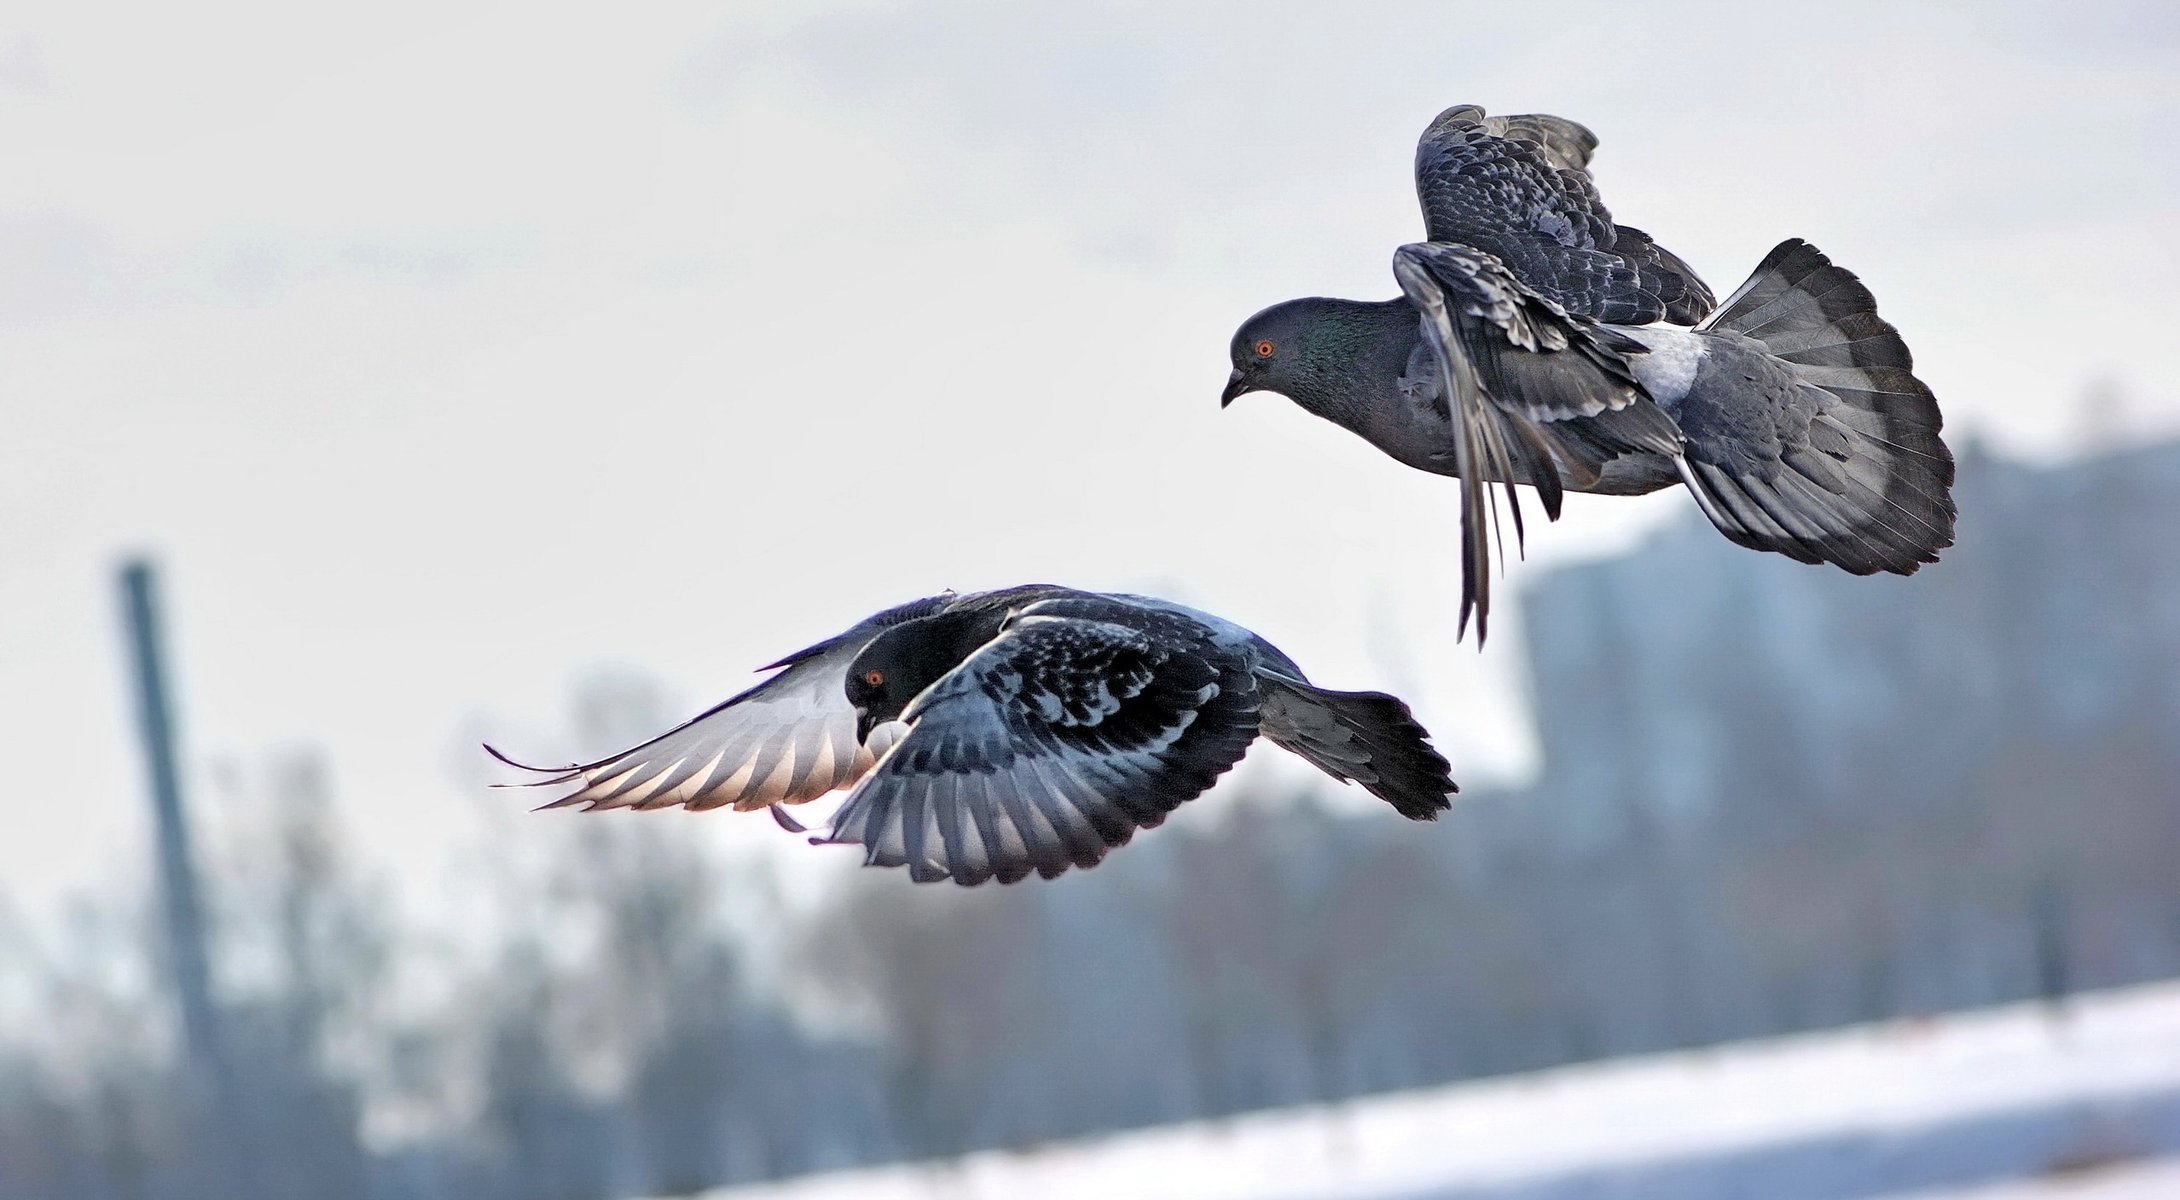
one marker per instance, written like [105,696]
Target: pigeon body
[988,735]
[1537,342]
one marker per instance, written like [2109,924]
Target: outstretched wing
[1528,391]
[785,741]
[1517,187]
[1050,745]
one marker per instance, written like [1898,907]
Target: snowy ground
[2005,1104]
[2157,1179]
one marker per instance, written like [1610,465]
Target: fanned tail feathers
[1868,485]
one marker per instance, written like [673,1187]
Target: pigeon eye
[875,678]
[1265,348]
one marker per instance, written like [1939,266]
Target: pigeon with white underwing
[992,734]
[1535,342]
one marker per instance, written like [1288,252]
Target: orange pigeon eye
[1265,348]
[874,678]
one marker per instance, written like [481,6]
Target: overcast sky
[445,353]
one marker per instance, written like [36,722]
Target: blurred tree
[1804,800]
[953,980]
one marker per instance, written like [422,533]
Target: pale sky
[446,353]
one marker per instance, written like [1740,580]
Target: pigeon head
[900,663]
[1315,350]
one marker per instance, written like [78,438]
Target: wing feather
[1512,365]
[1049,746]
[1518,187]
[785,741]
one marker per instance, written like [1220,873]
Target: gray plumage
[1516,354]
[1514,388]
[989,735]
[1792,412]
[1519,188]
[1807,430]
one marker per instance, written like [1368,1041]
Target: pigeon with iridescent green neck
[1536,342]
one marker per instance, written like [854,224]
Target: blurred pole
[180,906]
[224,1163]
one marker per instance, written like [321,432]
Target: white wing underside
[788,740]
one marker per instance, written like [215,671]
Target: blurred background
[470,371]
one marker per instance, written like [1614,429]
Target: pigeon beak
[1235,386]
[864,723]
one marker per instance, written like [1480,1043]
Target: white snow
[2152,1180]
[2113,1055]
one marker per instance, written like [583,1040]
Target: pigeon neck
[1355,351]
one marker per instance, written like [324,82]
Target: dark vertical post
[224,1164]
[181,909]
[2054,976]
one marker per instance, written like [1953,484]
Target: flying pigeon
[1537,342]
[988,735]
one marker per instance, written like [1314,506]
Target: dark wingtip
[790,824]
[1474,606]
[567,774]
[494,751]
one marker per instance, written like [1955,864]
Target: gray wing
[1563,143]
[1528,390]
[1052,744]
[784,741]
[1517,187]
